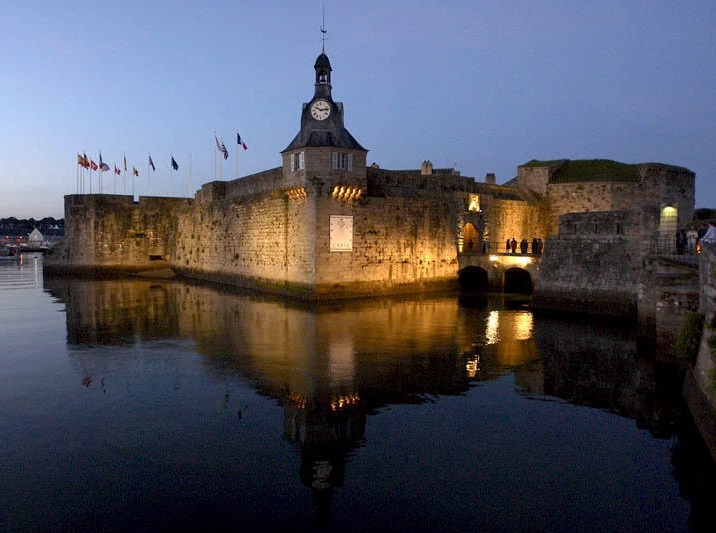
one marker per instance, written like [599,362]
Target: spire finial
[323,29]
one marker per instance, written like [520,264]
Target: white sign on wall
[341,237]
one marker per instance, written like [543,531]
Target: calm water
[145,405]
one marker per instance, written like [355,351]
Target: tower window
[342,161]
[298,161]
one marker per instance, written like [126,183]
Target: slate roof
[324,138]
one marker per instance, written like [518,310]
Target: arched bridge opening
[518,280]
[473,278]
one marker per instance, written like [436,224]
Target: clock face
[320,109]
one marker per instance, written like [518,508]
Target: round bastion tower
[324,154]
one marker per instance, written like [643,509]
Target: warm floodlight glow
[474,203]
[522,260]
[493,258]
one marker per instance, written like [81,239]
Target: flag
[116,170]
[86,163]
[80,160]
[125,163]
[135,171]
[93,165]
[151,163]
[218,146]
[103,167]
[175,165]
[240,142]
[224,150]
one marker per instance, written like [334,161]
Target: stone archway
[473,278]
[470,238]
[518,280]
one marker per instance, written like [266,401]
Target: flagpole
[149,176]
[171,169]
[190,187]
[237,156]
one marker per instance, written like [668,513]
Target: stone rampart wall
[111,231]
[506,219]
[264,240]
[590,270]
[274,242]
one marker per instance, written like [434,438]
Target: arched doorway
[668,224]
[469,238]
[518,280]
[473,278]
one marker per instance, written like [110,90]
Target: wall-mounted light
[346,193]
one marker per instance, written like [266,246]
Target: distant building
[35,239]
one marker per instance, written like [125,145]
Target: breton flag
[135,171]
[175,165]
[224,150]
[240,142]
[151,163]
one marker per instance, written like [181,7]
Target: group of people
[511,246]
[687,241]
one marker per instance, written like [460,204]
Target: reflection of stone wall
[590,365]
[386,350]
[116,312]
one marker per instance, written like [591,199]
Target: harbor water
[150,404]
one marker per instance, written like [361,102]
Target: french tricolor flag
[240,142]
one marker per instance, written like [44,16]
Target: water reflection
[332,366]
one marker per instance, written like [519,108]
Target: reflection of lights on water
[343,401]
[523,326]
[472,366]
[492,334]
[508,325]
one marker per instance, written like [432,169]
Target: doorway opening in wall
[667,230]
[469,238]
[155,257]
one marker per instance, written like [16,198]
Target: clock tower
[324,152]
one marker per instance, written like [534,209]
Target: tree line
[48,226]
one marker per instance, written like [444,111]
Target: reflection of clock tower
[324,154]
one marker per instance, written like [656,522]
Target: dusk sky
[482,86]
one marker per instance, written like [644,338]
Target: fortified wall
[405,233]
[700,381]
[111,232]
[611,218]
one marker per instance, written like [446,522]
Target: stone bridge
[501,271]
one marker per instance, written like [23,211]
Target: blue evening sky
[480,85]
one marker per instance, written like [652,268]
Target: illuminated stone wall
[263,240]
